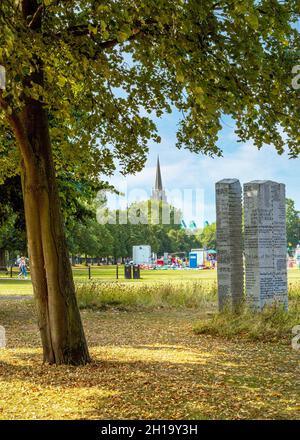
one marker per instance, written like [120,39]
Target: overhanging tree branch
[16,125]
[36,17]
[85,30]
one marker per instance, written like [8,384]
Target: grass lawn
[108,273]
[13,286]
[294,274]
[148,362]
[145,365]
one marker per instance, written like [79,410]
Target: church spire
[158,192]
[158,181]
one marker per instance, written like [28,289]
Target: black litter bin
[127,271]
[136,272]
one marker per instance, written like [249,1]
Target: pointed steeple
[158,181]
[158,192]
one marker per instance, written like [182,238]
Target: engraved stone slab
[2,337]
[265,243]
[229,243]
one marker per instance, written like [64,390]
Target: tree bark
[3,267]
[59,319]
[60,324]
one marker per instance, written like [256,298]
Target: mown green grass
[15,287]
[100,274]
[109,273]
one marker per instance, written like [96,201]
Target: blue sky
[184,170]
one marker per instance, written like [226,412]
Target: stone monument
[2,337]
[229,244]
[265,243]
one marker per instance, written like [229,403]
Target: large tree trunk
[60,324]
[59,318]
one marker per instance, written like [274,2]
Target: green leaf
[252,20]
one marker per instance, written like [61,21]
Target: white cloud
[182,169]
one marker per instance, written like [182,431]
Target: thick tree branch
[18,129]
[84,30]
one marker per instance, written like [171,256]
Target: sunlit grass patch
[192,294]
[294,290]
[14,287]
[146,364]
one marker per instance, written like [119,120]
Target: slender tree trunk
[59,318]
[3,267]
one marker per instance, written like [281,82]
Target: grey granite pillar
[2,337]
[229,244]
[265,243]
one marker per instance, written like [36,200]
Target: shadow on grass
[145,366]
[138,383]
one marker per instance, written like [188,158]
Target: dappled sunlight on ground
[145,365]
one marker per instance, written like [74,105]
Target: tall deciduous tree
[207,236]
[292,224]
[93,65]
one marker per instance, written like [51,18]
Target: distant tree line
[87,238]
[135,226]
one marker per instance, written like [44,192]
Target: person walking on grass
[22,267]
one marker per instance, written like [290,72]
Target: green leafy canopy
[108,66]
